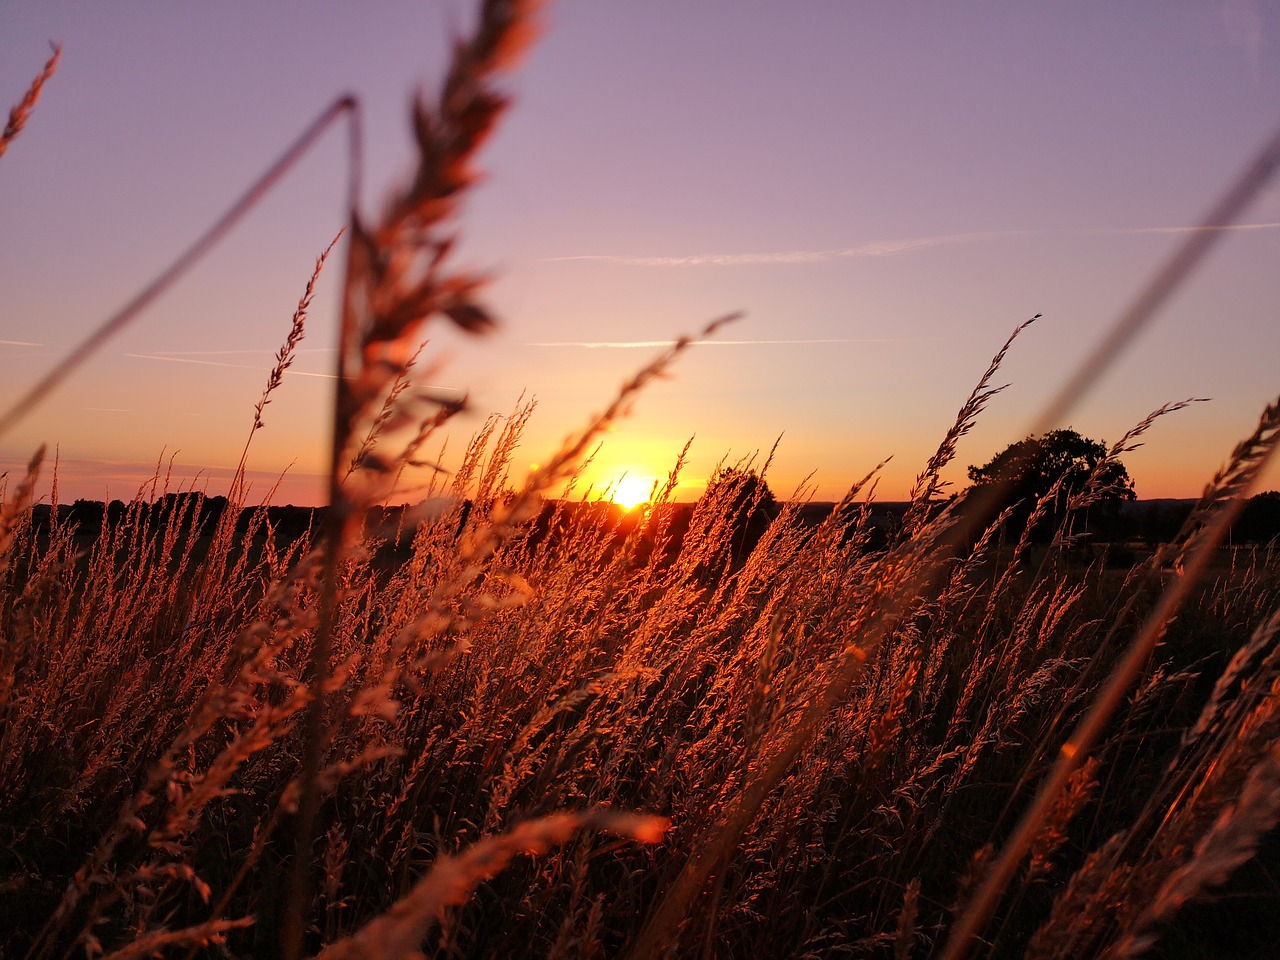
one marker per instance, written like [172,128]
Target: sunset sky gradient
[885,191]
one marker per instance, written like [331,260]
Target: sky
[884,190]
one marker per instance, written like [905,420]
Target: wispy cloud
[1224,228]
[637,344]
[234,353]
[172,358]
[875,248]
[19,343]
[108,409]
[292,372]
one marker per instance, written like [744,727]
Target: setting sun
[631,491]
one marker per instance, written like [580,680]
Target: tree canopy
[1032,466]
[1259,522]
[748,505]
[744,487]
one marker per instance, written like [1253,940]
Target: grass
[515,726]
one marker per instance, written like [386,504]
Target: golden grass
[22,110]
[224,738]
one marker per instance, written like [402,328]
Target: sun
[631,491]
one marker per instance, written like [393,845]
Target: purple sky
[886,190]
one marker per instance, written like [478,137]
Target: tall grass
[222,737]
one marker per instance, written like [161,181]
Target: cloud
[231,353]
[172,358]
[166,358]
[638,344]
[19,343]
[875,248]
[1224,228]
[291,372]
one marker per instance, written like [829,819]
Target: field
[512,725]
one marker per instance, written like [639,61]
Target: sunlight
[631,491]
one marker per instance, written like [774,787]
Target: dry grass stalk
[1084,911]
[395,281]
[392,416]
[398,934]
[157,942]
[1240,679]
[21,112]
[1093,489]
[907,933]
[13,509]
[1247,461]
[868,620]
[1053,832]
[396,276]
[283,361]
[344,107]
[929,483]
[1233,838]
[1190,826]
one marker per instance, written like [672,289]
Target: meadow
[507,725]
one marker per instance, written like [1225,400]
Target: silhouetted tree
[1032,466]
[749,504]
[1259,522]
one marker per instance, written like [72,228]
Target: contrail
[19,343]
[292,372]
[1224,228]
[876,248]
[637,344]
[260,352]
[169,358]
